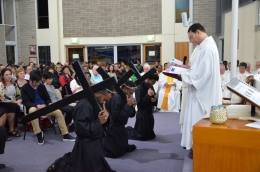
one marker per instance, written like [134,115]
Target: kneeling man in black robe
[146,100]
[87,154]
[120,109]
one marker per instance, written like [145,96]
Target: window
[129,52]
[44,55]
[43,14]
[181,6]
[10,55]
[104,53]
[8,12]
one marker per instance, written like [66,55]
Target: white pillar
[234,30]
[190,23]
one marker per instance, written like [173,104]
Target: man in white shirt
[169,96]
[28,71]
[203,79]
[242,74]
[96,77]
[224,78]
[257,67]
[248,67]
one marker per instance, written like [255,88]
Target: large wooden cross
[121,81]
[87,92]
[140,78]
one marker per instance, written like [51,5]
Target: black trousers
[2,139]
[68,110]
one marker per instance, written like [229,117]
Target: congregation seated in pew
[169,96]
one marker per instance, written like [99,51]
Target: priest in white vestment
[242,74]
[224,78]
[185,86]
[203,78]
[169,96]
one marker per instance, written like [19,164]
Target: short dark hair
[88,73]
[35,75]
[243,64]
[154,77]
[48,75]
[128,83]
[196,26]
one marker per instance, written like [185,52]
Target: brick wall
[26,28]
[103,18]
[205,14]
[2,45]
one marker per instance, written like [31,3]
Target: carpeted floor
[163,154]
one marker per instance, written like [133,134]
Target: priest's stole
[166,93]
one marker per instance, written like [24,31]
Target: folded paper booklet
[175,72]
[176,61]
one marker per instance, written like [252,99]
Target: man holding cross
[116,140]
[87,154]
[145,97]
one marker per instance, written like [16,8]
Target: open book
[175,72]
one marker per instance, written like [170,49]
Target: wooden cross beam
[145,76]
[87,92]
[132,66]
[122,80]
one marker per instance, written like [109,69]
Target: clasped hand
[103,115]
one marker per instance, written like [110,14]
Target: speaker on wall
[184,19]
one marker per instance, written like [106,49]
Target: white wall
[247,19]
[50,37]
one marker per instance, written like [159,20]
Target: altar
[230,147]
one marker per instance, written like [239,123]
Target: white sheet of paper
[151,53]
[178,70]
[75,56]
[176,61]
[253,125]
[249,93]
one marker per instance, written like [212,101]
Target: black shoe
[2,166]
[71,128]
[68,137]
[40,138]
[130,148]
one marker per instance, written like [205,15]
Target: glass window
[8,12]
[43,14]
[10,55]
[9,33]
[44,55]
[104,53]
[129,52]
[181,6]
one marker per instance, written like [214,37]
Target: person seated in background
[111,71]
[55,81]
[96,77]
[224,78]
[75,87]
[146,68]
[2,142]
[28,69]
[48,78]
[35,97]
[139,67]
[65,80]
[159,69]
[10,100]
[241,75]
[169,96]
